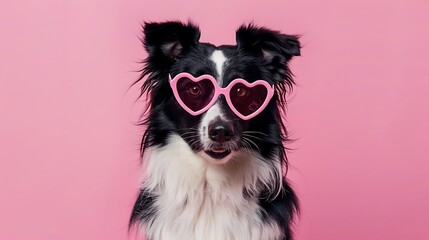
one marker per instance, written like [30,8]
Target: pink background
[69,149]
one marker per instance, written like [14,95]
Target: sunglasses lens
[247,100]
[195,95]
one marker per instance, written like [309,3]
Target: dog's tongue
[218,150]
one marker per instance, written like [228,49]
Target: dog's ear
[273,48]
[165,42]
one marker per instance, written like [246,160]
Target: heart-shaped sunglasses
[197,95]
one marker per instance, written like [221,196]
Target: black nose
[221,131]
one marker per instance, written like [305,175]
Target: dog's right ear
[165,42]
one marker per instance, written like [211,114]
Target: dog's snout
[221,131]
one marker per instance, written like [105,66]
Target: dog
[213,147]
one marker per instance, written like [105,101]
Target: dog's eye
[193,89]
[241,92]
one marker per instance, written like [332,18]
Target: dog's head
[219,121]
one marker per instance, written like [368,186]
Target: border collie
[214,155]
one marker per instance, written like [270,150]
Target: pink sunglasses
[197,95]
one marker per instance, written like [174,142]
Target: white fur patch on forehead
[219,60]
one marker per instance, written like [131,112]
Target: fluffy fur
[188,192]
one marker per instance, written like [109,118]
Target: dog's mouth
[218,152]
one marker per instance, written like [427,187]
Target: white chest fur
[202,201]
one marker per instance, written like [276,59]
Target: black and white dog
[214,153]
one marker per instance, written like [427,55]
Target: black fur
[144,208]
[260,53]
[281,209]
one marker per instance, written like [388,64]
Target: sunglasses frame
[218,91]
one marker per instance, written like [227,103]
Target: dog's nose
[221,131]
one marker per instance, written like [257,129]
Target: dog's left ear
[273,48]
[166,42]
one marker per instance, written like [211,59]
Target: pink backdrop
[69,150]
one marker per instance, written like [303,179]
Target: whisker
[191,128]
[190,136]
[187,133]
[255,132]
[247,147]
[194,142]
[249,135]
[252,142]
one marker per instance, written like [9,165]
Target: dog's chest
[203,217]
[197,202]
